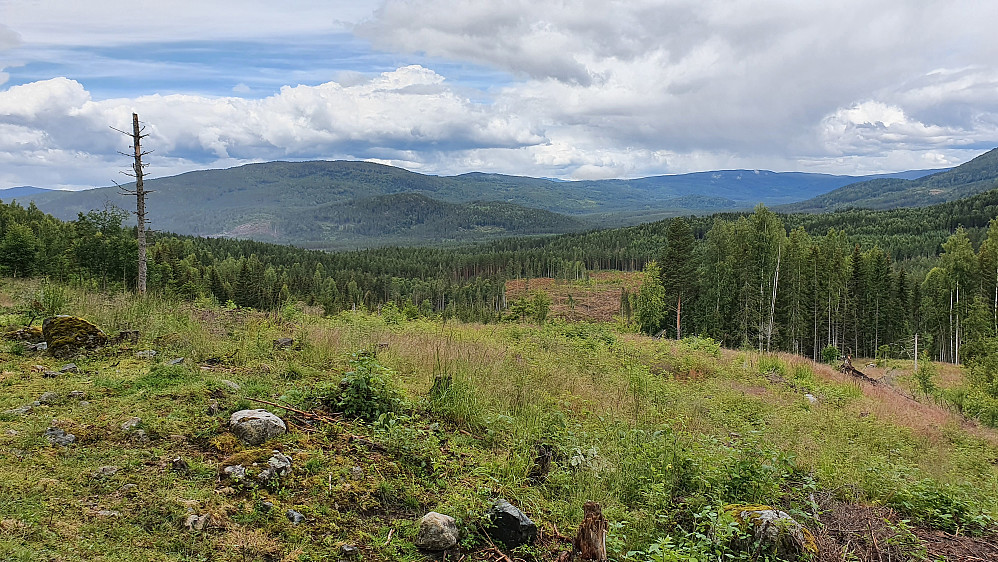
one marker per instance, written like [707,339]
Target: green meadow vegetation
[410,414]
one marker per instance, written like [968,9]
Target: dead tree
[140,196]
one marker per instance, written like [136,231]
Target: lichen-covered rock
[437,532]
[783,535]
[67,335]
[254,427]
[57,436]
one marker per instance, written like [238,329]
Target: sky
[570,89]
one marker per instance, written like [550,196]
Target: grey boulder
[255,427]
[437,532]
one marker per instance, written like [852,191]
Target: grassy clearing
[661,433]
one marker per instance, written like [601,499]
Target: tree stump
[590,543]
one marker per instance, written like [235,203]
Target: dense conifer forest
[864,282]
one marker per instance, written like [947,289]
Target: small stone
[811,398]
[213,408]
[437,532]
[180,465]
[57,436]
[69,368]
[12,432]
[283,343]
[356,473]
[106,471]
[49,398]
[177,361]
[41,346]
[84,403]
[140,436]
[349,550]
[294,516]
[255,427]
[197,522]
[266,506]
[77,395]
[131,423]
[50,374]
[145,354]
[235,472]
[19,411]
[279,464]
[108,513]
[231,385]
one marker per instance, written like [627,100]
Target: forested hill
[307,203]
[976,176]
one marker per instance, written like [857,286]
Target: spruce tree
[678,271]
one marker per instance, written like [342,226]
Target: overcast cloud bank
[597,89]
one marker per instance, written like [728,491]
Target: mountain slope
[976,176]
[277,200]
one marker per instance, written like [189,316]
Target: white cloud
[410,109]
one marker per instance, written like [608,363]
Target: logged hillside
[976,176]
[336,205]
[390,418]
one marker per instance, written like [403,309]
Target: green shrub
[947,508]
[925,375]
[830,354]
[367,391]
[772,364]
[701,344]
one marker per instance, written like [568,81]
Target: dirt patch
[851,531]
[957,548]
[595,299]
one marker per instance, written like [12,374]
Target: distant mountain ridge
[11,193]
[973,177]
[343,204]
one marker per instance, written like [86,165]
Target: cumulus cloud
[410,109]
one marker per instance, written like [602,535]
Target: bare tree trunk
[679,309]
[772,305]
[140,204]
[140,197]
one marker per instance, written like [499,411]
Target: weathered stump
[590,543]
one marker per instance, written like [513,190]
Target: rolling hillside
[971,178]
[353,204]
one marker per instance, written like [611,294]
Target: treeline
[856,280]
[750,282]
